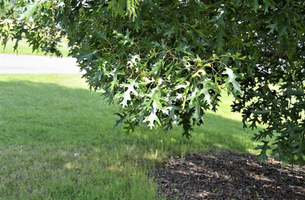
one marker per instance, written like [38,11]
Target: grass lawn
[57,141]
[24,49]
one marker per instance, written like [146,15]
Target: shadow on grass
[50,113]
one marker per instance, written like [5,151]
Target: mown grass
[25,49]
[57,141]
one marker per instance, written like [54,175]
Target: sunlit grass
[25,49]
[57,141]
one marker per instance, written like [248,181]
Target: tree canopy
[166,62]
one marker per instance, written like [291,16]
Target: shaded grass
[57,141]
[25,49]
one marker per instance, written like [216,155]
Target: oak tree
[166,62]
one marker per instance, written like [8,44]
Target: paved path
[24,64]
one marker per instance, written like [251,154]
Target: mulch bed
[229,175]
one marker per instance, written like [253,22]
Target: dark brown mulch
[229,175]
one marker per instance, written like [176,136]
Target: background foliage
[167,62]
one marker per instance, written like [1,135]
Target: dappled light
[228,175]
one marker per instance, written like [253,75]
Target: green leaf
[127,96]
[86,55]
[263,155]
[152,117]
[99,34]
[30,9]
[272,27]
[255,5]
[156,67]
[169,32]
[122,118]
[130,125]
[197,115]
[232,79]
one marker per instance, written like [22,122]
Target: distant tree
[166,62]
[4,11]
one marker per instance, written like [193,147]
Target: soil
[229,175]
